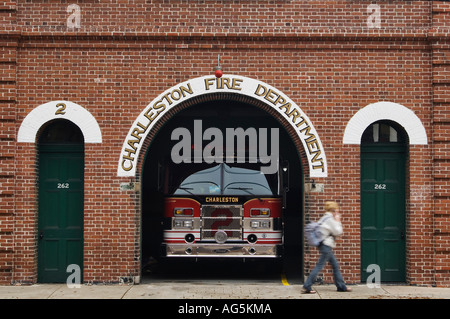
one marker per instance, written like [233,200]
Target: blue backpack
[313,234]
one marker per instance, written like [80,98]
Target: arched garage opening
[236,100]
[219,112]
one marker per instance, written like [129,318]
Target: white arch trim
[59,110]
[154,111]
[385,111]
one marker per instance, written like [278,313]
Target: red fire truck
[223,210]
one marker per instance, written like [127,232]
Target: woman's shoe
[306,291]
[345,290]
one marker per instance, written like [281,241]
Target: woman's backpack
[313,234]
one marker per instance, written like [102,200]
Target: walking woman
[331,227]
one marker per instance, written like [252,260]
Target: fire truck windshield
[224,179]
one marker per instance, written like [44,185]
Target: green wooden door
[383,211]
[383,202]
[60,222]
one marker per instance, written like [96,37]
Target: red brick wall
[8,44]
[319,53]
[216,16]
[441,140]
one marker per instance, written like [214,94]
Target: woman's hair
[331,206]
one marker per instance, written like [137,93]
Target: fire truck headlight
[183,223]
[260,224]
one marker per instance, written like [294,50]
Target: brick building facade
[345,64]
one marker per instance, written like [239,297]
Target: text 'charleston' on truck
[223,210]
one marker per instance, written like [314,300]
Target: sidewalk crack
[123,295]
[49,296]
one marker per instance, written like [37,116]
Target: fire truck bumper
[222,250]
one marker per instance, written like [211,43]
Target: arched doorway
[61,200]
[384,151]
[302,138]
[221,112]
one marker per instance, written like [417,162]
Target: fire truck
[223,210]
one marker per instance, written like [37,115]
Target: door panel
[383,212]
[60,224]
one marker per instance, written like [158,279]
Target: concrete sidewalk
[217,290]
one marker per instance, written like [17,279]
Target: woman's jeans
[326,254]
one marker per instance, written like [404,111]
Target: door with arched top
[61,198]
[383,202]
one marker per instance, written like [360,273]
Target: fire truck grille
[231,234]
[224,218]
